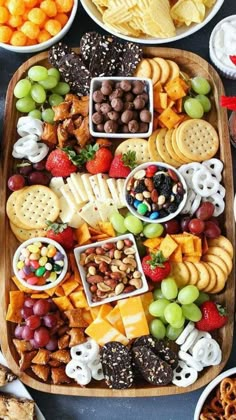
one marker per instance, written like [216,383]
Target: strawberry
[213,317]
[61,233]
[98,160]
[59,163]
[122,164]
[156,266]
[233,59]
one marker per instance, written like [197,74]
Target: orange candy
[37,16]
[43,36]
[30,29]
[15,21]
[4,14]
[64,5]
[62,18]
[16,7]
[53,26]
[5,34]
[18,39]
[49,7]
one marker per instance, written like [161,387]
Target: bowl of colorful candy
[34,25]
[40,263]
[155,192]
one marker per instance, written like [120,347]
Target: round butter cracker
[174,70]
[170,150]
[181,273]
[220,278]
[156,71]
[23,235]
[223,255]
[176,149]
[144,69]
[11,210]
[204,276]
[213,278]
[224,243]
[139,146]
[155,156]
[193,272]
[165,68]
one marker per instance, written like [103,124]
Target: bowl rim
[46,44]
[193,28]
[209,388]
[120,135]
[48,241]
[223,67]
[171,215]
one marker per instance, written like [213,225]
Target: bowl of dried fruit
[155,192]
[111,270]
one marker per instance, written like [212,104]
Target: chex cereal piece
[116,364]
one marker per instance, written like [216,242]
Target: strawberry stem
[56,227]
[157,260]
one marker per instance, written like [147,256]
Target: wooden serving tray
[193,65]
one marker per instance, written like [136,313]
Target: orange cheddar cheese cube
[133,317]
[114,317]
[103,332]
[104,310]
[147,299]
[95,311]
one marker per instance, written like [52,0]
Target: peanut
[92,270]
[119,288]
[99,251]
[90,251]
[129,289]
[108,246]
[94,279]
[120,245]
[103,267]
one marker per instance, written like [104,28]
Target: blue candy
[154,215]
[136,203]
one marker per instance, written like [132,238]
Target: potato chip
[157,19]
[187,11]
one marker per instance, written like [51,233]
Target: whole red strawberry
[99,160]
[59,163]
[213,317]
[61,233]
[156,267]
[122,164]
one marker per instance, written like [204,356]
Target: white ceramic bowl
[182,32]
[47,44]
[171,215]
[210,388]
[46,286]
[227,69]
[78,251]
[96,84]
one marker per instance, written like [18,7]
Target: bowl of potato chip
[152,21]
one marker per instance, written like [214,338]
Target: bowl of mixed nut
[111,270]
[155,192]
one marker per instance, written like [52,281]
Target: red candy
[151,170]
[32,280]
[34,264]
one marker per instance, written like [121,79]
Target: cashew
[91,270]
[99,258]
[136,274]
[89,258]
[136,283]
[103,287]
[129,251]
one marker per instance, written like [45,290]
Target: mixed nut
[111,269]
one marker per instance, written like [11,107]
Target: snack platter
[192,65]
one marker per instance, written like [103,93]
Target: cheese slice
[147,299]
[55,184]
[90,214]
[94,184]
[69,197]
[106,209]
[120,186]
[103,187]
[114,317]
[79,186]
[133,317]
[76,194]
[68,214]
[87,187]
[111,182]
[103,332]
[104,310]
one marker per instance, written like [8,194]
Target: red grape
[214,220]
[50,320]
[41,336]
[18,331]
[41,307]
[212,231]
[25,168]
[205,211]
[33,322]
[27,333]
[52,344]
[196,226]
[33,344]
[36,178]
[172,227]
[16,182]
[184,224]
[40,166]
[29,302]
[26,312]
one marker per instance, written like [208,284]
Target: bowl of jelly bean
[40,263]
[155,192]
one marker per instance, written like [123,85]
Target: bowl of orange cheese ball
[28,26]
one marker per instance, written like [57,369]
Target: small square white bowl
[96,84]
[78,251]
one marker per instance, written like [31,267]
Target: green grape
[157,307]
[49,83]
[38,93]
[200,85]
[173,313]
[203,297]
[169,288]
[153,230]
[48,115]
[193,108]
[188,294]
[55,99]
[205,102]
[22,88]
[192,312]
[157,328]
[133,225]
[173,333]
[179,323]
[117,222]
[36,114]
[55,73]
[26,104]
[157,294]
[38,73]
[61,88]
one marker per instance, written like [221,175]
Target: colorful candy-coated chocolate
[154,215]
[136,203]
[142,208]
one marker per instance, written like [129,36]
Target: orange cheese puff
[62,18]
[25,15]
[16,7]
[15,21]
[64,5]
[5,34]
[2,2]
[18,39]
[31,3]
[49,7]
[37,16]
[53,26]
[4,14]
[30,30]
[43,36]
[31,42]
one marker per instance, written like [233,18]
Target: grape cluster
[41,90]
[29,174]
[196,105]
[134,225]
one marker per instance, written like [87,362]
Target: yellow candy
[44,251]
[33,248]
[52,277]
[20,264]
[34,256]
[43,261]
[38,244]
[51,252]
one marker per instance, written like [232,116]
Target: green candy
[56,267]
[142,208]
[40,271]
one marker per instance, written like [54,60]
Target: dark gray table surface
[180,407]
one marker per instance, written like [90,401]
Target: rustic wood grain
[193,65]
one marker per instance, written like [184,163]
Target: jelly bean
[27,270]
[34,256]
[22,258]
[20,264]
[51,252]
[21,274]
[25,252]
[40,271]
[48,266]
[56,267]
[52,277]
[32,280]
[60,263]
[154,215]
[44,251]
[58,256]
[38,244]
[27,261]
[33,248]
[136,203]
[142,208]
[34,264]
[42,261]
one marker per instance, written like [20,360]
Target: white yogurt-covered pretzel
[184,375]
[185,333]
[85,352]
[215,166]
[78,371]
[189,340]
[29,125]
[204,183]
[206,351]
[188,170]
[190,361]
